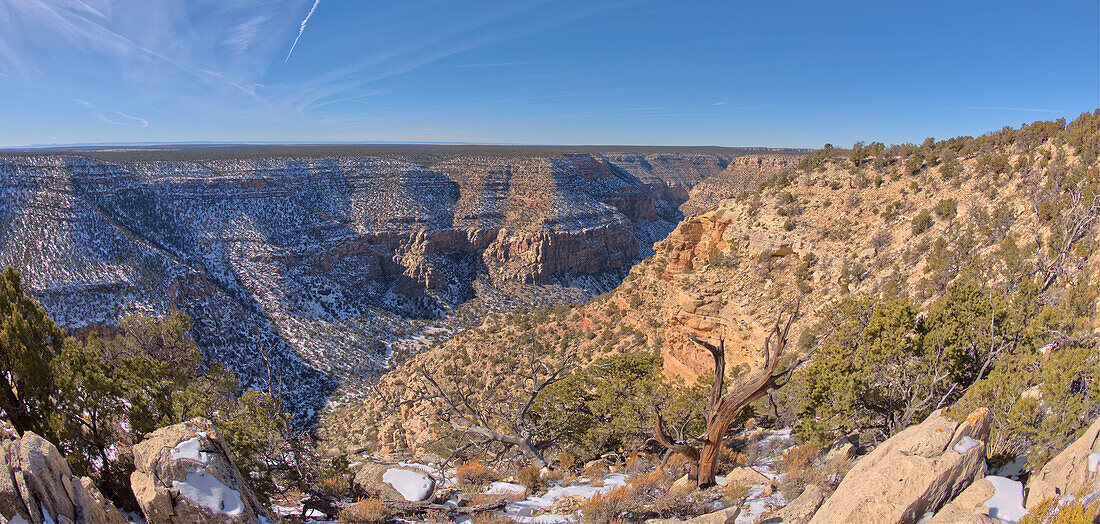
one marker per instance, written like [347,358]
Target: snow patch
[1094,462]
[758,504]
[506,488]
[410,484]
[965,444]
[203,489]
[190,449]
[1013,469]
[1007,502]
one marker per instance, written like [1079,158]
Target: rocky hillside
[330,264]
[908,220]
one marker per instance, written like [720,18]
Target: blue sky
[734,73]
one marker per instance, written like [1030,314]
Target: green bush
[866,360]
[947,209]
[609,405]
[922,222]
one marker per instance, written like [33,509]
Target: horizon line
[82,145]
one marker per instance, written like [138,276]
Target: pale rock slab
[912,473]
[1068,471]
[186,473]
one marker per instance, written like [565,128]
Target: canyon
[323,267]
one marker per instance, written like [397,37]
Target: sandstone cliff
[334,263]
[724,274]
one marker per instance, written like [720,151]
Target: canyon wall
[322,263]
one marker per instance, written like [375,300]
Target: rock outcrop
[36,486]
[324,258]
[801,508]
[1069,471]
[911,474]
[968,507]
[721,516]
[186,474]
[394,482]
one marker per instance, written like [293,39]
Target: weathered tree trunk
[722,407]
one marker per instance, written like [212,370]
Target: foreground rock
[718,517]
[36,486]
[185,473]
[968,507]
[912,473]
[395,483]
[802,508]
[1067,472]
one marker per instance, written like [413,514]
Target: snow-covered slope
[325,264]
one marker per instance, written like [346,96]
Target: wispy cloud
[302,29]
[120,118]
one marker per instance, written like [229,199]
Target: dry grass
[476,473]
[530,477]
[604,508]
[1075,511]
[338,485]
[798,458]
[735,493]
[652,495]
[596,470]
[801,468]
[490,518]
[365,511]
[478,499]
[566,460]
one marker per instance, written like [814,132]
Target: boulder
[36,485]
[912,473]
[843,448]
[394,482]
[566,505]
[186,473]
[1068,471]
[801,508]
[968,507]
[718,517]
[747,476]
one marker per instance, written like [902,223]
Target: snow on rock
[205,490]
[190,449]
[410,484]
[1007,503]
[506,488]
[757,503]
[185,473]
[965,444]
[521,511]
[1013,469]
[39,486]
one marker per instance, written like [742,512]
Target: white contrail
[302,29]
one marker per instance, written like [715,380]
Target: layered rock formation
[37,486]
[324,260]
[742,174]
[185,473]
[726,273]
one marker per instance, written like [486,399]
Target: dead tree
[724,405]
[1077,221]
[460,406]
